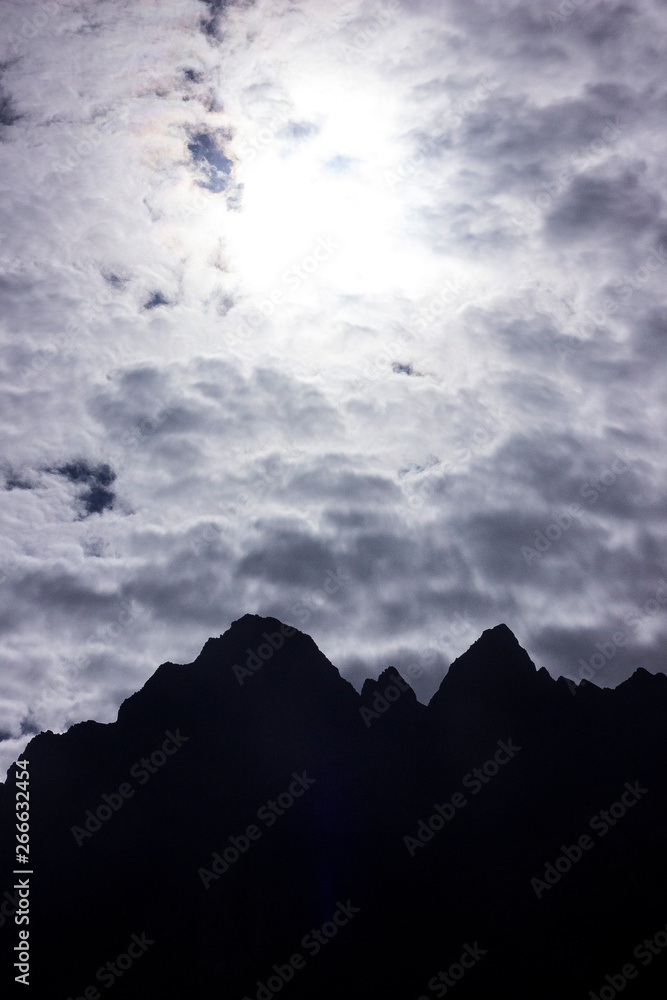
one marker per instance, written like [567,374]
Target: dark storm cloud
[651,339]
[185,590]
[367,564]
[62,591]
[562,469]
[516,129]
[571,503]
[493,540]
[207,402]
[620,207]
[331,478]
[292,558]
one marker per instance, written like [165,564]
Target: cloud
[203,415]
[616,206]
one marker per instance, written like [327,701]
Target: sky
[348,314]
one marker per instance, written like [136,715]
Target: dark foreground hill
[251,826]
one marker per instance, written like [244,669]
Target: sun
[322,181]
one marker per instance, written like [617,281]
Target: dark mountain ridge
[267,828]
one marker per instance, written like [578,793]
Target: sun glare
[325,185]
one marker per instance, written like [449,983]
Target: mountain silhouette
[252,826]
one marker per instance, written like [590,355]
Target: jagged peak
[496,650]
[641,678]
[387,677]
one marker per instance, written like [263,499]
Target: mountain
[251,825]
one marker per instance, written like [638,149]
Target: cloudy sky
[351,314]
